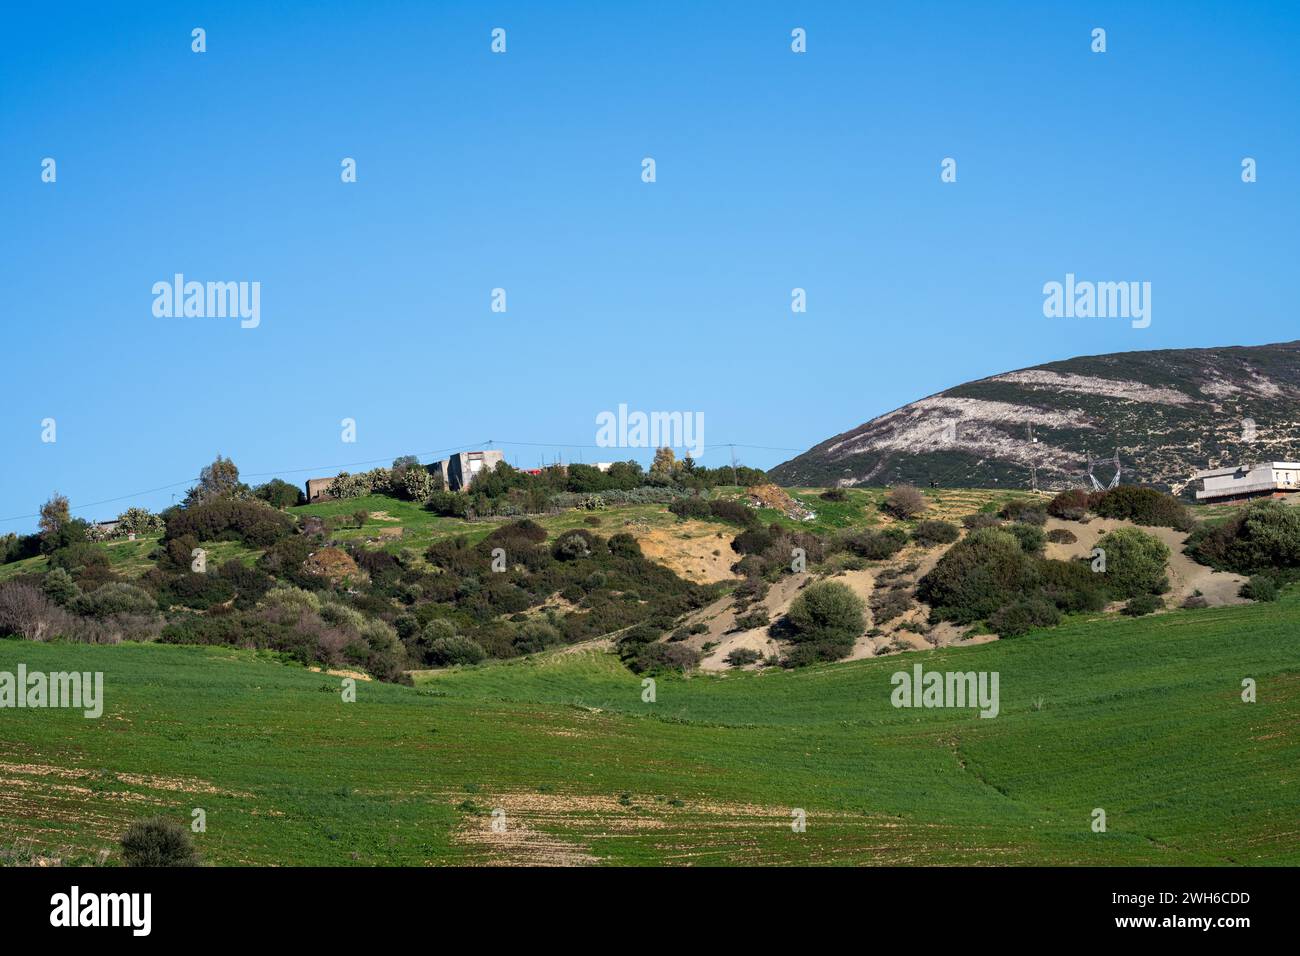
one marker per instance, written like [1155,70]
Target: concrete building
[459,471]
[1247,481]
[318,489]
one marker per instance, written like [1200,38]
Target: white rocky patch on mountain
[1093,385]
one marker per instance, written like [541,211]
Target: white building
[1241,481]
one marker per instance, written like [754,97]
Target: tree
[280,494]
[665,463]
[54,515]
[217,480]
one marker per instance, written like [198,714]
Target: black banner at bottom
[300,905]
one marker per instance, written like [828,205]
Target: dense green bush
[875,545]
[828,616]
[1024,510]
[448,651]
[254,523]
[1143,506]
[1135,563]
[1031,537]
[931,532]
[1142,604]
[656,657]
[158,841]
[1260,587]
[280,494]
[59,586]
[741,656]
[1024,615]
[1062,536]
[1071,585]
[114,598]
[1262,537]
[979,574]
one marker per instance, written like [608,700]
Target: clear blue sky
[522,171]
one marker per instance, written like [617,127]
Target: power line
[336,468]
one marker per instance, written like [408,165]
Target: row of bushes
[992,576]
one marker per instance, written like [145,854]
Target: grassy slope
[1142,718]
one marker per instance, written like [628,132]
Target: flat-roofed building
[459,471]
[1247,481]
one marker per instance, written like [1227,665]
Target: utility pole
[734,479]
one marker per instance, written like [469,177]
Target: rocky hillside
[1169,413]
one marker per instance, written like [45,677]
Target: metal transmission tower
[1096,485]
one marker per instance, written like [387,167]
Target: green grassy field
[1142,718]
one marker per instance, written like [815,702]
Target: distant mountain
[1169,413]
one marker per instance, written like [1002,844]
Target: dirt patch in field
[555,829]
[695,550]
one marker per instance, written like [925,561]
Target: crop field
[560,759]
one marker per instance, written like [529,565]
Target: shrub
[254,523]
[1062,536]
[280,494]
[1024,510]
[1069,505]
[448,651]
[889,604]
[1031,537]
[876,545]
[1135,563]
[663,657]
[158,841]
[1262,537]
[1143,604]
[139,521]
[904,501]
[827,613]
[732,511]
[753,541]
[979,574]
[754,619]
[536,636]
[981,520]
[59,587]
[834,494]
[1195,602]
[1144,506]
[932,532]
[1022,616]
[1260,587]
[115,598]
[1071,585]
[27,612]
[742,656]
[573,545]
